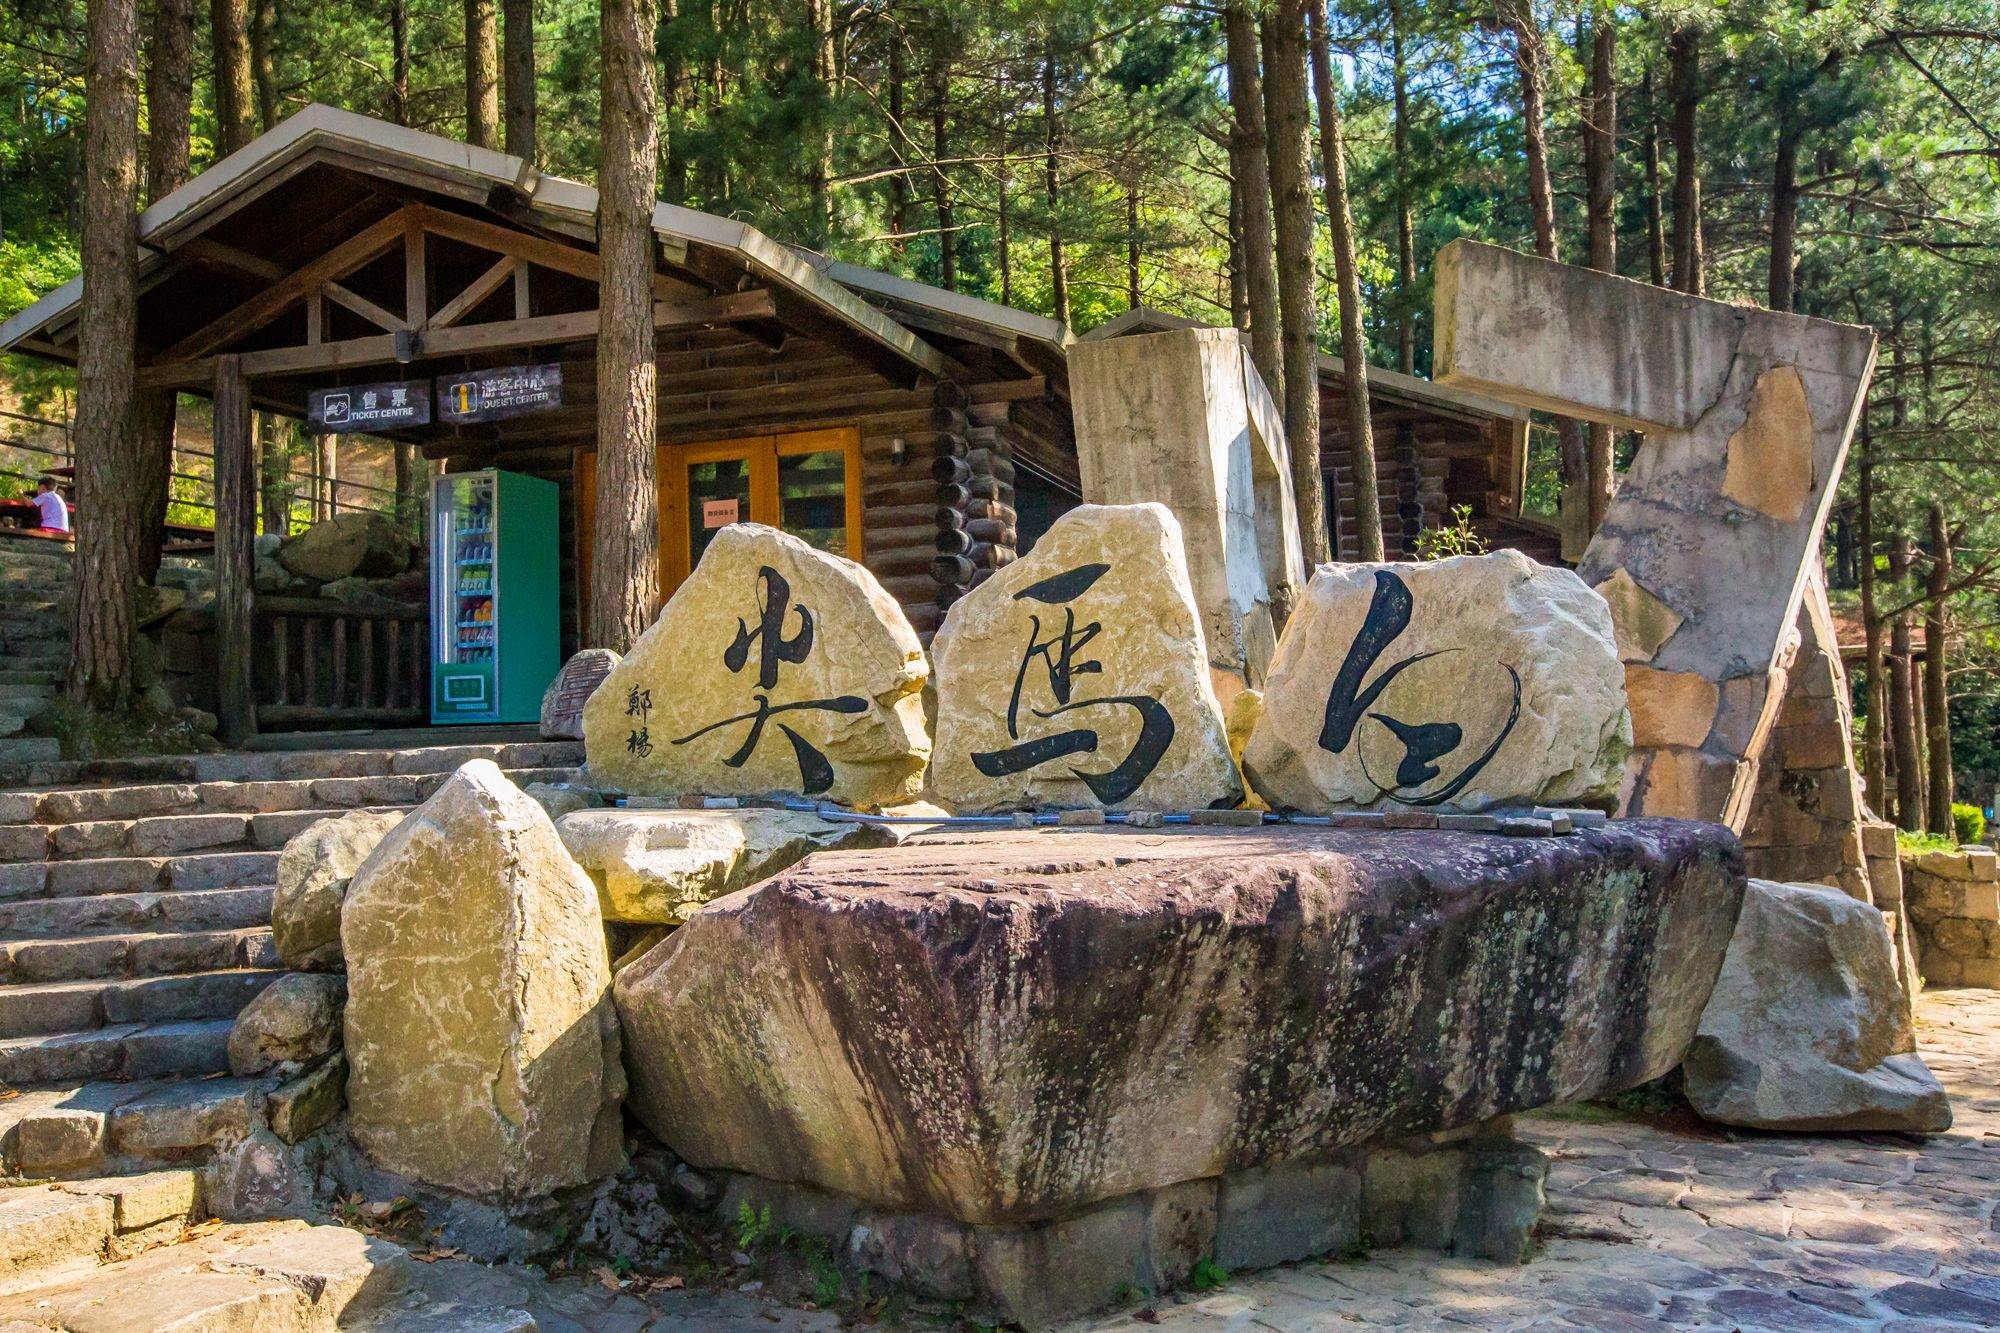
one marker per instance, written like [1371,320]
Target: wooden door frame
[671,463]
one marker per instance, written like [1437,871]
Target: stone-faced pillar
[1182,419]
[1704,553]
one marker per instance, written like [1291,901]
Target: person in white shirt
[55,512]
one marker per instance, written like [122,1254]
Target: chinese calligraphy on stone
[1473,683]
[774,668]
[1077,677]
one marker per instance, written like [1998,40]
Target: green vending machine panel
[495,642]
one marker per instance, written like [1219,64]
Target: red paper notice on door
[719,513]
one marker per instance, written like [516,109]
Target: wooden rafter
[363,307]
[481,287]
[381,349]
[268,304]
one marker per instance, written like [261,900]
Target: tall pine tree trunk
[399,61]
[1656,222]
[625,565]
[1937,699]
[518,19]
[169,104]
[1406,238]
[1250,168]
[1353,342]
[940,88]
[482,75]
[1600,159]
[235,95]
[1902,697]
[1132,246]
[1874,735]
[1285,116]
[819,21]
[107,449]
[1684,57]
[899,183]
[264,60]
[1052,186]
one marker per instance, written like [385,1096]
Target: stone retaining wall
[1476,1192]
[1953,900]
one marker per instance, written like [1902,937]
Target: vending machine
[495,636]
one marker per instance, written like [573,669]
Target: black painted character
[1060,657]
[1423,742]
[774,601]
[638,702]
[639,743]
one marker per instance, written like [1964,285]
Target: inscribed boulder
[774,668]
[1077,677]
[1469,683]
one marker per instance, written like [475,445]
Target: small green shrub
[1969,821]
[1924,842]
[1456,538]
[1208,1275]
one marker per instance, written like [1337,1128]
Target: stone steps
[96,1128]
[56,1007]
[288,764]
[325,795]
[50,1231]
[255,1278]
[228,908]
[119,954]
[28,880]
[124,1050]
[164,835]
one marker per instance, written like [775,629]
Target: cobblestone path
[1695,1227]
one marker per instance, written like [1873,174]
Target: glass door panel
[812,498]
[718,494]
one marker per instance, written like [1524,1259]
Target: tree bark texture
[264,60]
[108,504]
[940,90]
[1937,700]
[1684,63]
[1052,186]
[1406,238]
[1600,132]
[518,32]
[169,105]
[1902,701]
[625,564]
[1784,210]
[819,20]
[326,475]
[1285,115]
[1656,223]
[235,547]
[1353,342]
[235,95]
[1250,164]
[278,441]
[399,61]
[1874,734]
[482,75]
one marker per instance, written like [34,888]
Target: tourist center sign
[471,396]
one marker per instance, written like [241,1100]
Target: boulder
[656,867]
[562,702]
[362,542]
[1807,1029]
[313,874]
[1470,683]
[1077,677]
[775,667]
[481,1046]
[560,798]
[292,1022]
[1008,1026]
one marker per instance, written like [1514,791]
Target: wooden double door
[807,483]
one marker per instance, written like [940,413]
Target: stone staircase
[135,925]
[33,639]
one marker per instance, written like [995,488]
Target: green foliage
[1969,821]
[1924,842]
[1457,538]
[1207,1275]
[753,1227]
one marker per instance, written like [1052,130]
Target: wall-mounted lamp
[897,449]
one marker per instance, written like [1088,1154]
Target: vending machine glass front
[464,627]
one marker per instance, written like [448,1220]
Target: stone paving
[1691,1227]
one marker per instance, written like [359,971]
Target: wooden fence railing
[323,663]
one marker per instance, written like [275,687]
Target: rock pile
[1807,1029]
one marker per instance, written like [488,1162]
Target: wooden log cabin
[920,431]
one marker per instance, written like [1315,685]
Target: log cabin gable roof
[307,210]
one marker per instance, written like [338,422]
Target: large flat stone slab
[1010,1026]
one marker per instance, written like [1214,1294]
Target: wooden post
[235,537]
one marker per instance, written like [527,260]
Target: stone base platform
[1477,1193]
